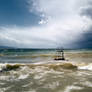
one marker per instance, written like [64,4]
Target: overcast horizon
[46,23]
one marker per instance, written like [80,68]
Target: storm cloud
[62,22]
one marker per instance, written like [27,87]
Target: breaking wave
[53,65]
[66,76]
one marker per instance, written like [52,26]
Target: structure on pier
[59,54]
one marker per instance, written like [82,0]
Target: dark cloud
[85,41]
[86,11]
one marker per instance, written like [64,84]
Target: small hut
[59,54]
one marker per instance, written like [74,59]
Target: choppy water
[36,71]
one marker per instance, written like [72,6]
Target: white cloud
[61,23]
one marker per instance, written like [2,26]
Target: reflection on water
[38,72]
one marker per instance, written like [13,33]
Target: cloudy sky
[46,23]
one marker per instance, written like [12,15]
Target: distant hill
[5,47]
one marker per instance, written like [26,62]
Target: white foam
[52,85]
[69,88]
[4,89]
[2,66]
[87,83]
[23,76]
[87,67]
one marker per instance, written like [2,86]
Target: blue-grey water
[37,71]
[24,55]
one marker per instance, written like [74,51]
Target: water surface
[39,72]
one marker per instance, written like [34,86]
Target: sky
[46,23]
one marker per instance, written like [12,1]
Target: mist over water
[37,71]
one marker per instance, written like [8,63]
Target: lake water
[37,71]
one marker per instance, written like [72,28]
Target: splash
[86,67]
[58,76]
[54,66]
[57,66]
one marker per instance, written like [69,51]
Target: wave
[55,66]
[36,56]
[86,67]
[1,55]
